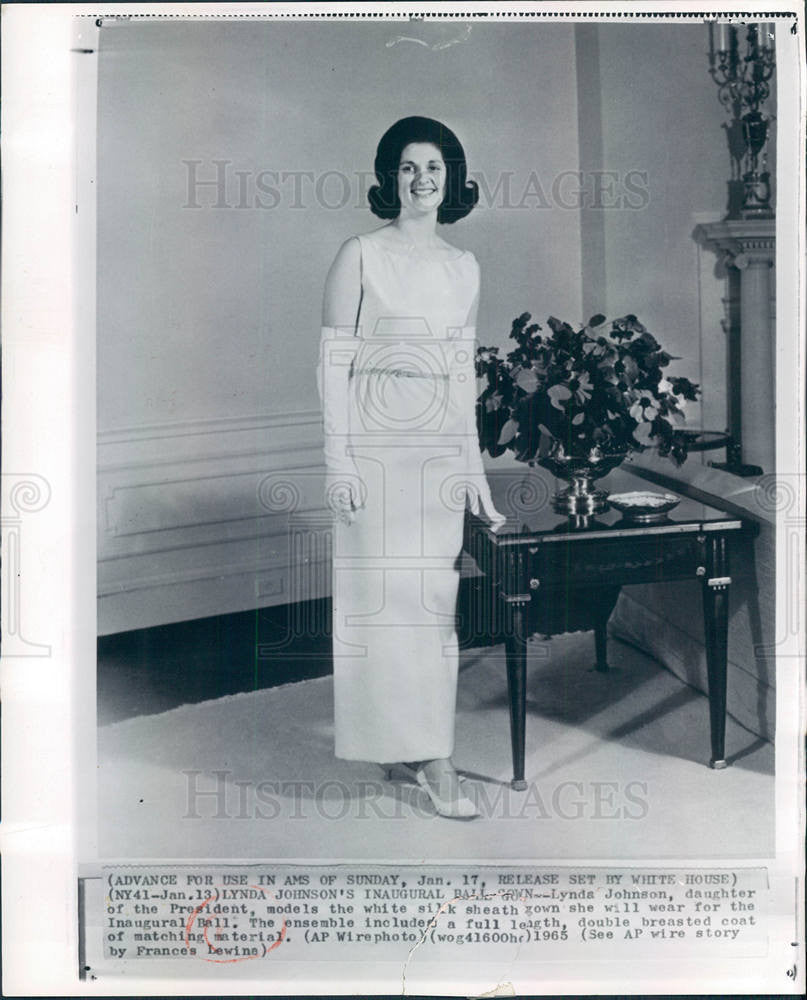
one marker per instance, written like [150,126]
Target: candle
[766,35]
[723,36]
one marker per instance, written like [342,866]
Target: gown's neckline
[412,251]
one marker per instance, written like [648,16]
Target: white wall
[208,318]
[660,114]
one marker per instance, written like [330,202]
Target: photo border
[49,828]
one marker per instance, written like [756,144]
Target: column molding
[749,247]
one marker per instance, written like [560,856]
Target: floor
[156,669]
[204,725]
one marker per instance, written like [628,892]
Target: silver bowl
[644,506]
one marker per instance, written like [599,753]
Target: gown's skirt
[396,568]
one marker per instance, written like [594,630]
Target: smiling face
[421,178]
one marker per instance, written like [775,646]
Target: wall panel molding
[160,444]
[208,516]
[205,425]
[211,517]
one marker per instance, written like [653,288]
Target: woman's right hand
[345,494]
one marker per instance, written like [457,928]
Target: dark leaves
[683,387]
[580,390]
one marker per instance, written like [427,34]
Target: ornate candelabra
[742,78]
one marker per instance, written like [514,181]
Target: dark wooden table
[544,575]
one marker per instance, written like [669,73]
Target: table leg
[516,652]
[601,645]
[603,603]
[716,618]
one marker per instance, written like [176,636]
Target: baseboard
[666,621]
[750,699]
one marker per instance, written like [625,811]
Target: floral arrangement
[588,393]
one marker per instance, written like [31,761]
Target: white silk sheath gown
[412,434]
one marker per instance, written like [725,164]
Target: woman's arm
[478,488]
[473,310]
[344,490]
[340,303]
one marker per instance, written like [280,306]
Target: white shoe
[456,808]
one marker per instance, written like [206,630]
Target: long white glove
[478,490]
[345,492]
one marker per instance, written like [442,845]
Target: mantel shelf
[740,239]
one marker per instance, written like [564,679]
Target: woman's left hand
[479,498]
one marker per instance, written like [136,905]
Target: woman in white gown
[397,382]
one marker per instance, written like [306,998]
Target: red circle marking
[220,961]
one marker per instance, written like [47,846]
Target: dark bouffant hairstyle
[460,194]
